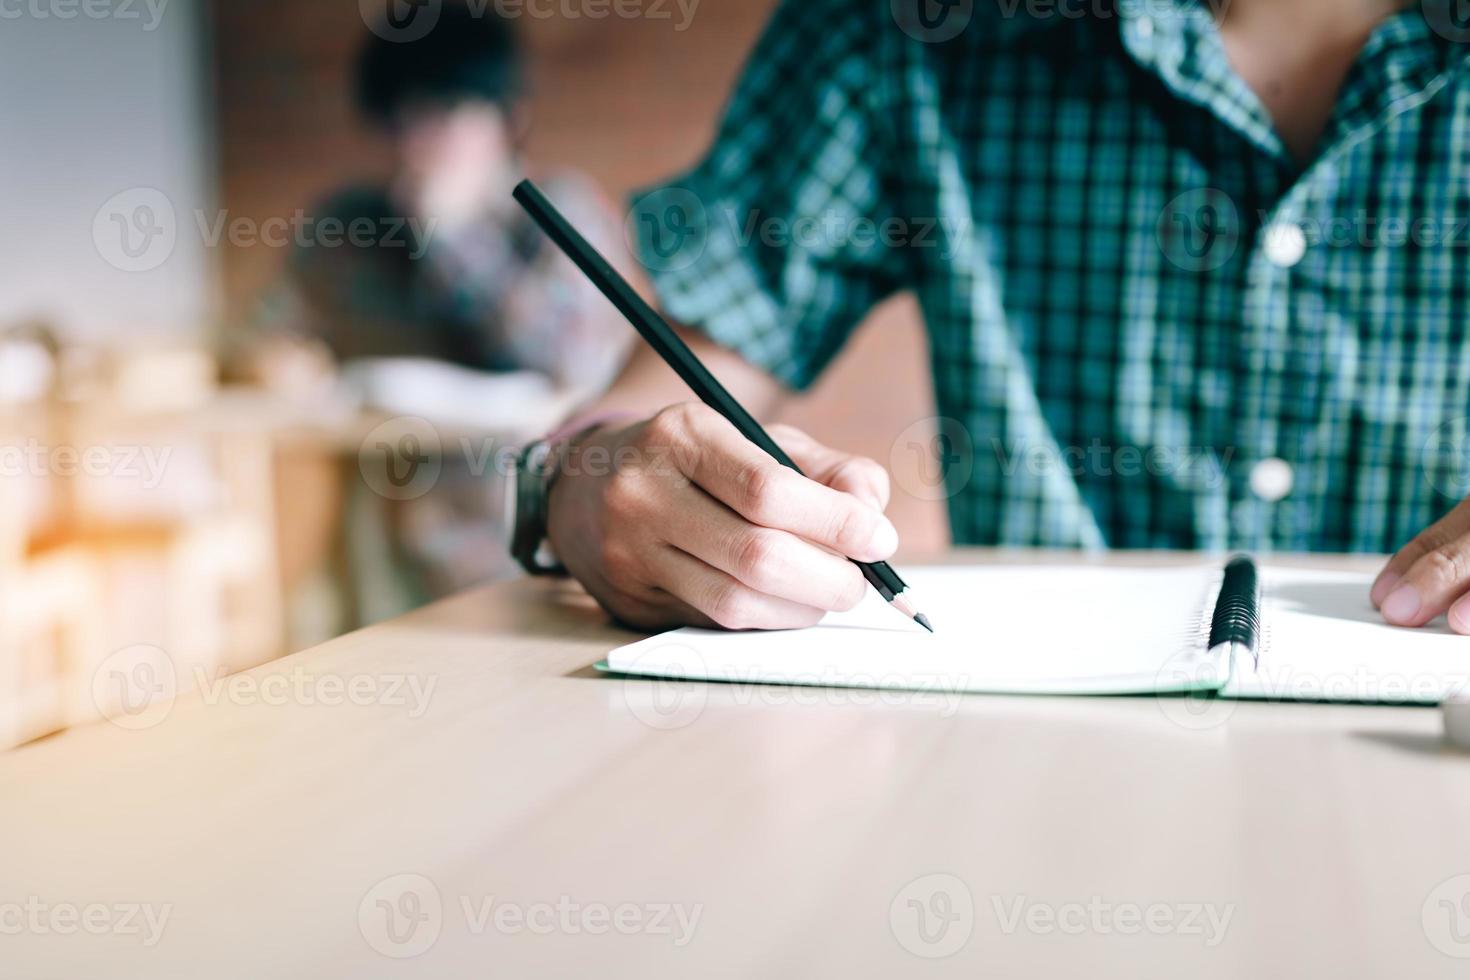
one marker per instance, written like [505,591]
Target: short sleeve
[774,245]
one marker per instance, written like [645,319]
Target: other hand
[1430,576]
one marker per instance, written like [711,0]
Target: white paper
[1323,640]
[1087,630]
[1007,629]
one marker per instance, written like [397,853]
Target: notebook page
[1323,640]
[1002,629]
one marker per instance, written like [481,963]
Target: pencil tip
[923,621]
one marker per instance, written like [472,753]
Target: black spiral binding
[1237,616]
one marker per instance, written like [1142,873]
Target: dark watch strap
[535,471]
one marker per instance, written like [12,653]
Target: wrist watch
[532,477]
[534,472]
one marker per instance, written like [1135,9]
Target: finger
[1459,615]
[1435,579]
[860,476]
[746,479]
[769,561]
[723,601]
[1393,571]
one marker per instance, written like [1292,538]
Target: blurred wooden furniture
[482,760]
[129,528]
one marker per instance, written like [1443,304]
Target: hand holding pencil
[716,522]
[698,527]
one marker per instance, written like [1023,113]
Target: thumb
[860,476]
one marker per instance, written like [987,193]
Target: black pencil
[662,338]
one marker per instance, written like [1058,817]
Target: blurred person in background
[441,299]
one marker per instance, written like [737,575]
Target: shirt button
[1285,244]
[1272,479]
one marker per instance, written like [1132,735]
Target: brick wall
[625,100]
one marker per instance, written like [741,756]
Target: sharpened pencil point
[923,621]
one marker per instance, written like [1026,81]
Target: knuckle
[668,425]
[758,491]
[618,561]
[1446,565]
[757,552]
[678,421]
[623,497]
[854,529]
[731,607]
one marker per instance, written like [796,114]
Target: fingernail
[1402,605]
[1460,618]
[885,539]
[1382,587]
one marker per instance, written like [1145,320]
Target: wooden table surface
[457,794]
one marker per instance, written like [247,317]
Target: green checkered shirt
[1149,327]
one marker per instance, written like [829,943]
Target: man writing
[1144,192]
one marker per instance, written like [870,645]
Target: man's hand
[1430,575]
[680,520]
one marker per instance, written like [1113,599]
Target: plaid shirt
[1150,327]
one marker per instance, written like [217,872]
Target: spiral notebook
[1089,630]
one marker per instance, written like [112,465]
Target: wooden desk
[803,828]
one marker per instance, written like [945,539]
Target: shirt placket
[1179,44]
[1285,414]
[1299,399]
